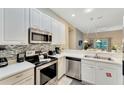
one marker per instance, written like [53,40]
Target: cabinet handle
[19,76]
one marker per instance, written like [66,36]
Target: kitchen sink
[99,57]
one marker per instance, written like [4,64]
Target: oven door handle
[46,65]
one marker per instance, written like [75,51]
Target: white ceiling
[104,19]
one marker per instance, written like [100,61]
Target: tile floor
[68,81]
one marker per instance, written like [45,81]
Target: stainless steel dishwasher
[73,67]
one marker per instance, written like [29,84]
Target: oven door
[46,73]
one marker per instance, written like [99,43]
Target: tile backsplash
[10,51]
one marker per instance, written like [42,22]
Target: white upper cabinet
[58,32]
[62,33]
[35,18]
[1,24]
[55,34]
[46,23]
[40,20]
[16,23]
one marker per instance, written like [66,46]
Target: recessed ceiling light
[73,15]
[88,10]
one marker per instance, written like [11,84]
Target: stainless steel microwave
[39,36]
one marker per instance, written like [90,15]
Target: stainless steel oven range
[45,69]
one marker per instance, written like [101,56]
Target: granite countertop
[104,61]
[69,53]
[14,69]
[81,54]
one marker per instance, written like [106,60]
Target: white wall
[79,36]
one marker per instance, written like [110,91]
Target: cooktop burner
[35,60]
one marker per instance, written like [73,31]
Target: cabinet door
[106,76]
[62,33]
[42,21]
[27,81]
[88,73]
[1,24]
[16,23]
[20,77]
[35,18]
[46,23]
[55,32]
[58,31]
[61,67]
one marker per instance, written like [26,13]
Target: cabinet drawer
[108,65]
[16,78]
[27,81]
[88,62]
[88,73]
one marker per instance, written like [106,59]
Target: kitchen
[41,47]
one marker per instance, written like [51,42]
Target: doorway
[71,40]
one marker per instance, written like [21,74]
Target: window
[103,44]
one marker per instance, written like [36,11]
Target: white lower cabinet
[88,73]
[106,76]
[61,67]
[23,78]
[101,73]
[27,81]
